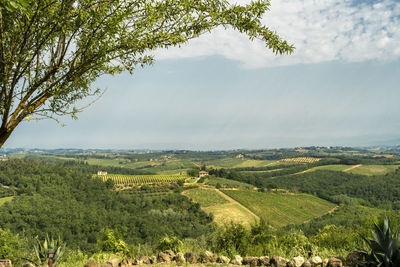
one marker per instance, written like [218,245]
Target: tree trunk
[4,134]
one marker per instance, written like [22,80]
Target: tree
[51,52]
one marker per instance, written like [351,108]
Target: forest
[67,202]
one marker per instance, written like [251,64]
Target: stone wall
[168,257]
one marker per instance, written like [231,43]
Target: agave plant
[49,246]
[384,247]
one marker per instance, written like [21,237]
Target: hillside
[247,206]
[223,208]
[280,209]
[62,201]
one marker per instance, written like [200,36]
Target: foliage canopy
[51,52]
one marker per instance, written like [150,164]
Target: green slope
[282,209]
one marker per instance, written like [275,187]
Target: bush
[336,237]
[111,241]
[231,240]
[295,244]
[172,243]
[10,246]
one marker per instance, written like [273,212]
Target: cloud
[321,30]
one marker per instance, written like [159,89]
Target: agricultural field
[223,208]
[120,179]
[300,160]
[282,209]
[358,169]
[238,163]
[336,167]
[231,212]
[373,169]
[205,197]
[157,165]
[227,183]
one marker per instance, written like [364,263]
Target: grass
[231,212]
[238,163]
[362,169]
[254,163]
[205,197]
[338,167]
[171,166]
[227,183]
[223,208]
[281,209]
[4,200]
[374,169]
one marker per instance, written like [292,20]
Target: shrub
[172,243]
[336,237]
[111,241]
[232,239]
[10,246]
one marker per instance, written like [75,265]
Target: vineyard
[300,160]
[120,179]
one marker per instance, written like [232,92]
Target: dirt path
[352,167]
[231,200]
[198,165]
[329,212]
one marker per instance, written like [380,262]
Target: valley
[305,194]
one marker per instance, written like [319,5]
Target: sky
[222,91]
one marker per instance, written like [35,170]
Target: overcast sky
[221,91]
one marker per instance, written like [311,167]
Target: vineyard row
[141,179]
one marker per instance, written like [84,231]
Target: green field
[121,179]
[5,199]
[205,197]
[159,166]
[238,163]
[374,169]
[338,167]
[231,212]
[227,183]
[221,206]
[281,209]
[358,169]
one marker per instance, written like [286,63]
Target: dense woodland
[65,201]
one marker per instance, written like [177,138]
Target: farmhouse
[239,156]
[101,173]
[202,173]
